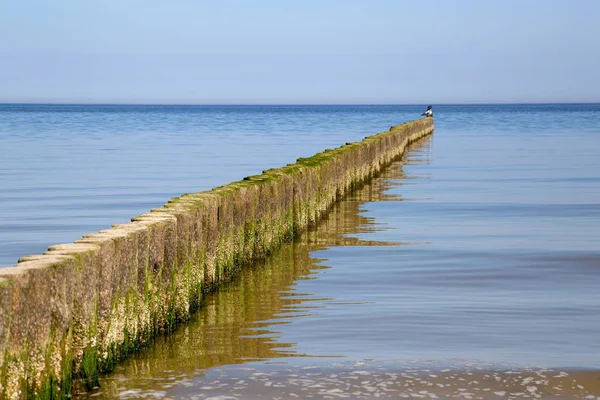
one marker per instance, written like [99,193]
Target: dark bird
[428,112]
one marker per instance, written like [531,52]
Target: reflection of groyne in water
[242,323]
[346,219]
[239,323]
[80,307]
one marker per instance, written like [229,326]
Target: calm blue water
[69,170]
[482,246]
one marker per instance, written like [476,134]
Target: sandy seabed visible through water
[365,380]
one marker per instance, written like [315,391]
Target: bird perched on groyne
[428,112]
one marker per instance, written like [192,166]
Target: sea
[468,269]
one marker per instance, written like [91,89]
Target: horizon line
[2,103]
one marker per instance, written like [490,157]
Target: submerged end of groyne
[77,309]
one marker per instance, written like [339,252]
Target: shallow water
[474,259]
[66,170]
[367,380]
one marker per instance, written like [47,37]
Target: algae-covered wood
[77,309]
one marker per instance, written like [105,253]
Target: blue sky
[310,51]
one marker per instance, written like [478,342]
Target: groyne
[77,309]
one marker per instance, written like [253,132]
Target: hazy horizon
[33,103]
[314,52]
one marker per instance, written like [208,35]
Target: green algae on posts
[76,310]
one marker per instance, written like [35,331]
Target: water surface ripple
[468,270]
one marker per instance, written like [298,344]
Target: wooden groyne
[77,309]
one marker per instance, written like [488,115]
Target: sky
[299,52]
